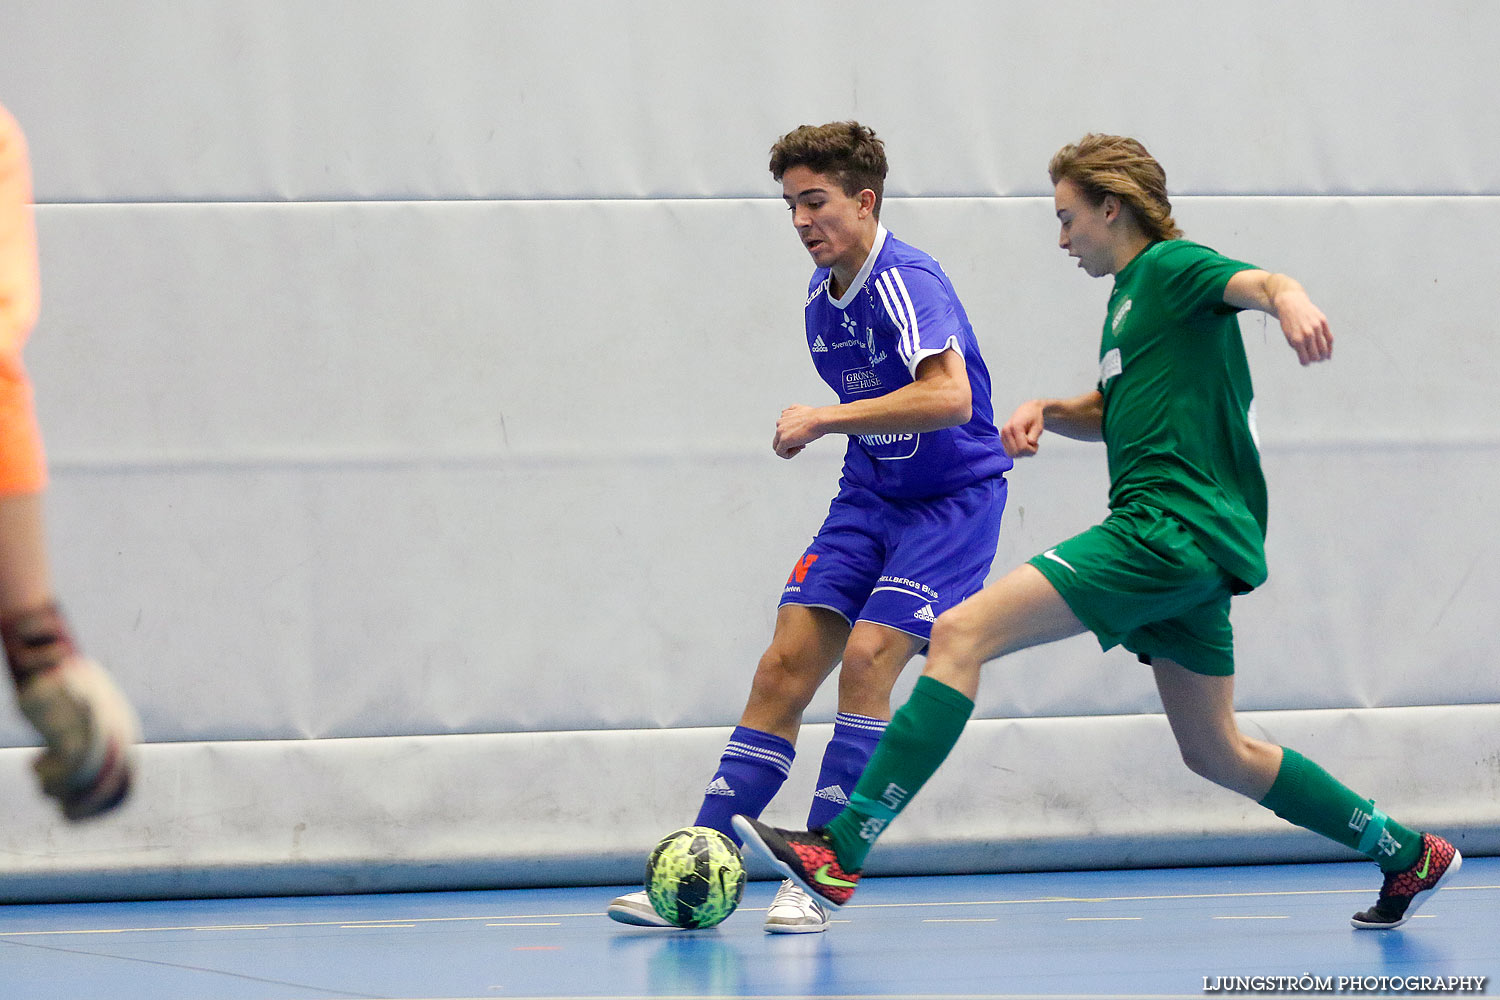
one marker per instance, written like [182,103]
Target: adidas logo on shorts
[924,613]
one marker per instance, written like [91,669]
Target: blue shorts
[899,563]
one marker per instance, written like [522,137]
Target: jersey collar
[864,271]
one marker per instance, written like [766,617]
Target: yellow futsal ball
[695,877]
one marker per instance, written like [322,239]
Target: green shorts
[1139,580]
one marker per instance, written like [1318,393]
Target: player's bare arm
[940,397]
[1305,326]
[1081,418]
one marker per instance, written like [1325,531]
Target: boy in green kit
[1175,409]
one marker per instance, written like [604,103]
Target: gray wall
[409,371]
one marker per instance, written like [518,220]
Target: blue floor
[1166,933]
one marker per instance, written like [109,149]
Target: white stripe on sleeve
[911,310]
[895,307]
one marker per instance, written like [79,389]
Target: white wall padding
[264,817]
[515,482]
[153,100]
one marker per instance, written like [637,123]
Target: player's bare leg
[1017,611]
[807,644]
[874,657]
[1200,709]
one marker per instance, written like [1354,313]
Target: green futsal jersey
[1179,416]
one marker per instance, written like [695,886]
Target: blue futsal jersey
[900,309]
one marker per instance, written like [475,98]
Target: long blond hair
[1119,165]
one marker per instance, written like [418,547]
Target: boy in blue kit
[915,523]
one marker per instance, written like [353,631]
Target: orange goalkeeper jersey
[22,467]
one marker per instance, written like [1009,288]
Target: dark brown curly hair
[847,151]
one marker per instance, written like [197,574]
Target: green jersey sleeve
[1193,278]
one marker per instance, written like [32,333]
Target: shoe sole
[749,836]
[771,928]
[635,918]
[1417,902]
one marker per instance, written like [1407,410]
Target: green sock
[1305,794]
[915,743]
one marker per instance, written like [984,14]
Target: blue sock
[750,774]
[854,739]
